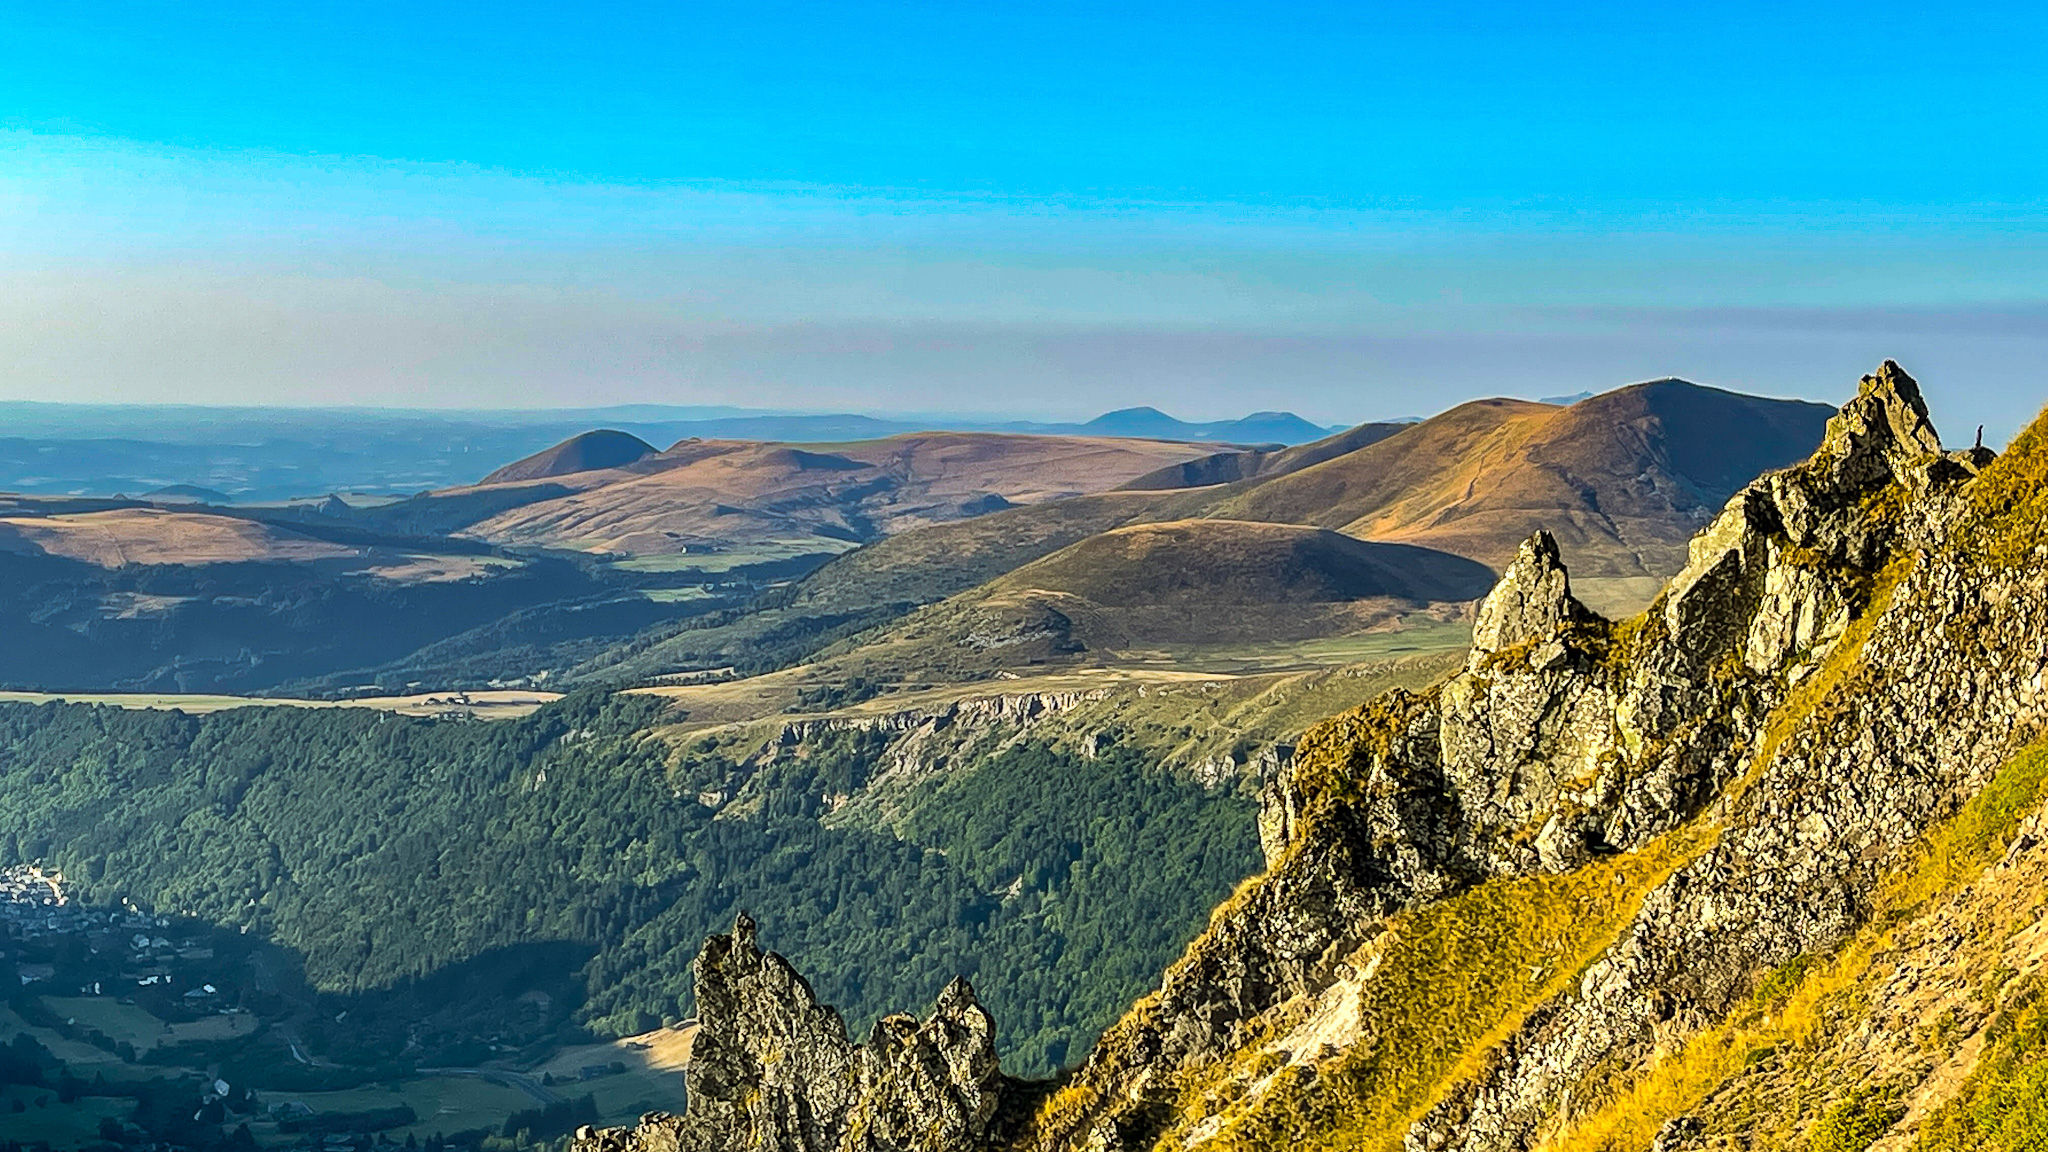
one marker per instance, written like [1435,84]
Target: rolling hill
[1239,564]
[1257,463]
[122,595]
[1622,479]
[1162,592]
[879,582]
[119,537]
[586,452]
[689,542]
[713,496]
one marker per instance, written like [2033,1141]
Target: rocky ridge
[773,1068]
[1223,732]
[1663,812]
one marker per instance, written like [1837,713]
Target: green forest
[568,850]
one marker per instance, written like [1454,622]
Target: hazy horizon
[1345,213]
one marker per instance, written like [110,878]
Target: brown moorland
[708,495]
[587,452]
[1622,479]
[124,536]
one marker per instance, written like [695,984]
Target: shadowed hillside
[1164,591]
[1262,463]
[711,496]
[1241,564]
[587,452]
[1622,480]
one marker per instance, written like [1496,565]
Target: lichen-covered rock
[1531,604]
[772,1070]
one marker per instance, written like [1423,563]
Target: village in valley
[124,1029]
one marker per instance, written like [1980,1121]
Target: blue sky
[1349,210]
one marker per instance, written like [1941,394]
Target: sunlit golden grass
[1790,1010]
[1453,980]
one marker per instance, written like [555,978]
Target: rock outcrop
[773,1070]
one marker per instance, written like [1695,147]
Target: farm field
[132,1023]
[443,1104]
[83,1059]
[681,595]
[653,1079]
[44,1118]
[508,704]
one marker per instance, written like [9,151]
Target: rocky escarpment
[771,1068]
[1519,907]
[1228,734]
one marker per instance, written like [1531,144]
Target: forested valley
[570,853]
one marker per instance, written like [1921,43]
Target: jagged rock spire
[1905,411]
[1532,602]
[1884,429]
[772,1068]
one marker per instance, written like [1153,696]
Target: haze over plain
[1355,212]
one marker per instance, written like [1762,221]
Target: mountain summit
[588,452]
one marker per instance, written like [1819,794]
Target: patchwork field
[504,704]
[31,1114]
[84,1059]
[442,1103]
[710,497]
[132,1023]
[653,1079]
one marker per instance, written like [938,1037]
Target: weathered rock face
[1532,603]
[772,1069]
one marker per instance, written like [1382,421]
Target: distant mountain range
[591,560]
[260,455]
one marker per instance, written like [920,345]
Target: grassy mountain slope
[115,538]
[880,582]
[584,452]
[1622,479]
[1153,593]
[121,595]
[709,495]
[1254,463]
[1235,563]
